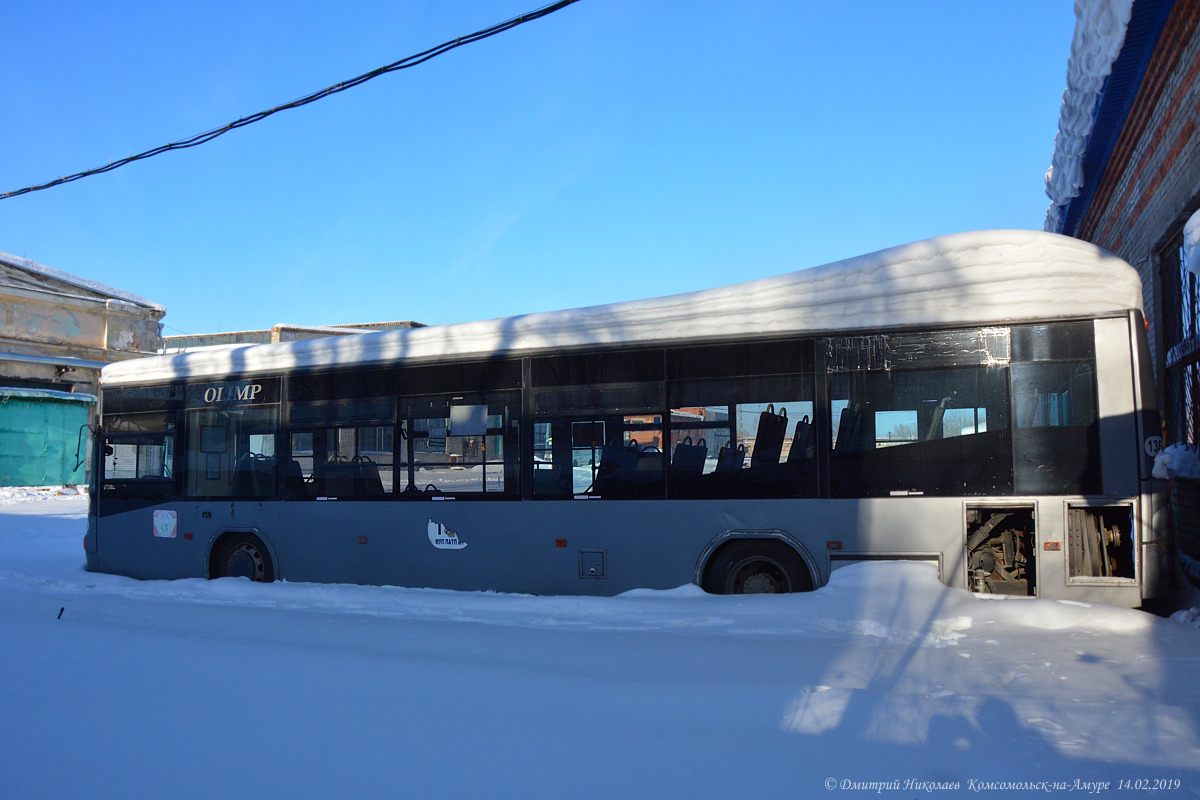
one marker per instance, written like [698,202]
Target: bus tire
[242,555]
[756,566]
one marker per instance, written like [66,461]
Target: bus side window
[456,446]
[602,442]
[607,455]
[348,462]
[341,448]
[567,456]
[1057,434]
[941,431]
[551,474]
[743,437]
[139,456]
[231,452]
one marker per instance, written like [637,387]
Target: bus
[981,401]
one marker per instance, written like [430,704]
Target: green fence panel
[40,433]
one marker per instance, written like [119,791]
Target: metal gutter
[58,361]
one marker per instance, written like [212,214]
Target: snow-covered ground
[880,683]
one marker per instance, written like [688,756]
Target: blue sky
[611,151]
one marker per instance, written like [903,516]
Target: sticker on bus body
[165,524]
[443,538]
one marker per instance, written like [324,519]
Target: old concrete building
[56,331]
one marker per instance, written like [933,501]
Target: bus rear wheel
[242,555]
[756,566]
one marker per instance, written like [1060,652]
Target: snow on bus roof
[985,277]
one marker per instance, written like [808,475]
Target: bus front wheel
[242,555]
[756,566]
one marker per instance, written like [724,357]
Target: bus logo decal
[165,524]
[443,538]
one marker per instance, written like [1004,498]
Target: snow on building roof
[95,287]
[986,277]
[1110,51]
[1099,33]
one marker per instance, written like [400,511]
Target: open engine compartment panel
[1001,550]
[1100,542]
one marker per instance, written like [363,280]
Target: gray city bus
[979,401]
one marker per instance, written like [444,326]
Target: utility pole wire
[404,63]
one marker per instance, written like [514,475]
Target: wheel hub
[758,576]
[245,562]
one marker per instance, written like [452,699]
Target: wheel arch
[220,536]
[716,544]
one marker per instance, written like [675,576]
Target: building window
[1181,332]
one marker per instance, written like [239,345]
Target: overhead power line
[404,63]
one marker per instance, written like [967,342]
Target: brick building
[1138,184]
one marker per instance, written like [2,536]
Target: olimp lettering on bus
[245,393]
[229,393]
[443,538]
[218,394]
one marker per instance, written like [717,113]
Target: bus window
[231,452]
[747,437]
[341,449]
[933,431]
[129,458]
[346,462]
[598,441]
[1056,437]
[545,477]
[139,454]
[455,446]
[587,453]
[618,456]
